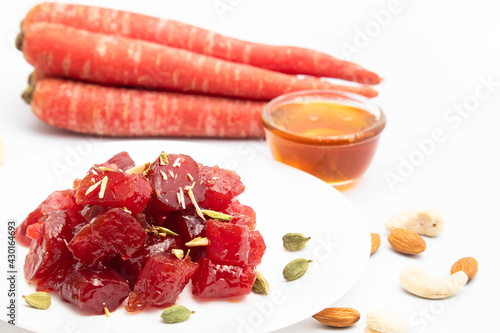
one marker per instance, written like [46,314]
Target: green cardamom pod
[295,269]
[38,300]
[176,314]
[260,285]
[295,241]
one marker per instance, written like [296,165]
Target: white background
[435,57]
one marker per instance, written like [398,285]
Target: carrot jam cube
[219,280]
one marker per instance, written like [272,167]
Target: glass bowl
[329,134]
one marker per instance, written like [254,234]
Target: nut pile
[406,231]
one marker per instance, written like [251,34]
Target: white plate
[285,200]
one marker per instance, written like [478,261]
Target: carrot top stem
[31,78]
[19,40]
[27,95]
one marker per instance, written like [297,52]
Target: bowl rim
[354,138]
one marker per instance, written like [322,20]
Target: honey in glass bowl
[331,135]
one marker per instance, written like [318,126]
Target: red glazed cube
[148,219]
[221,187]
[50,247]
[257,248]
[121,161]
[35,232]
[189,225]
[243,220]
[114,233]
[76,183]
[171,178]
[58,200]
[161,281]
[92,291]
[219,280]
[90,212]
[131,267]
[242,214]
[54,280]
[227,243]
[110,189]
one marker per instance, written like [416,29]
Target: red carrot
[286,59]
[112,111]
[58,50]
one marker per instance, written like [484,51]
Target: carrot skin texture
[62,51]
[112,111]
[286,59]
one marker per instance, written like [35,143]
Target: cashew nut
[418,281]
[428,222]
[369,330]
[386,321]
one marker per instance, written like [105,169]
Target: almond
[375,242]
[468,265]
[407,241]
[338,317]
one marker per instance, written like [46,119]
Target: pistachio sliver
[105,169]
[104,183]
[93,187]
[217,215]
[178,253]
[39,300]
[106,312]
[193,200]
[165,231]
[138,169]
[198,241]
[163,158]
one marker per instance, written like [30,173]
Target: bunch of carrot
[116,73]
